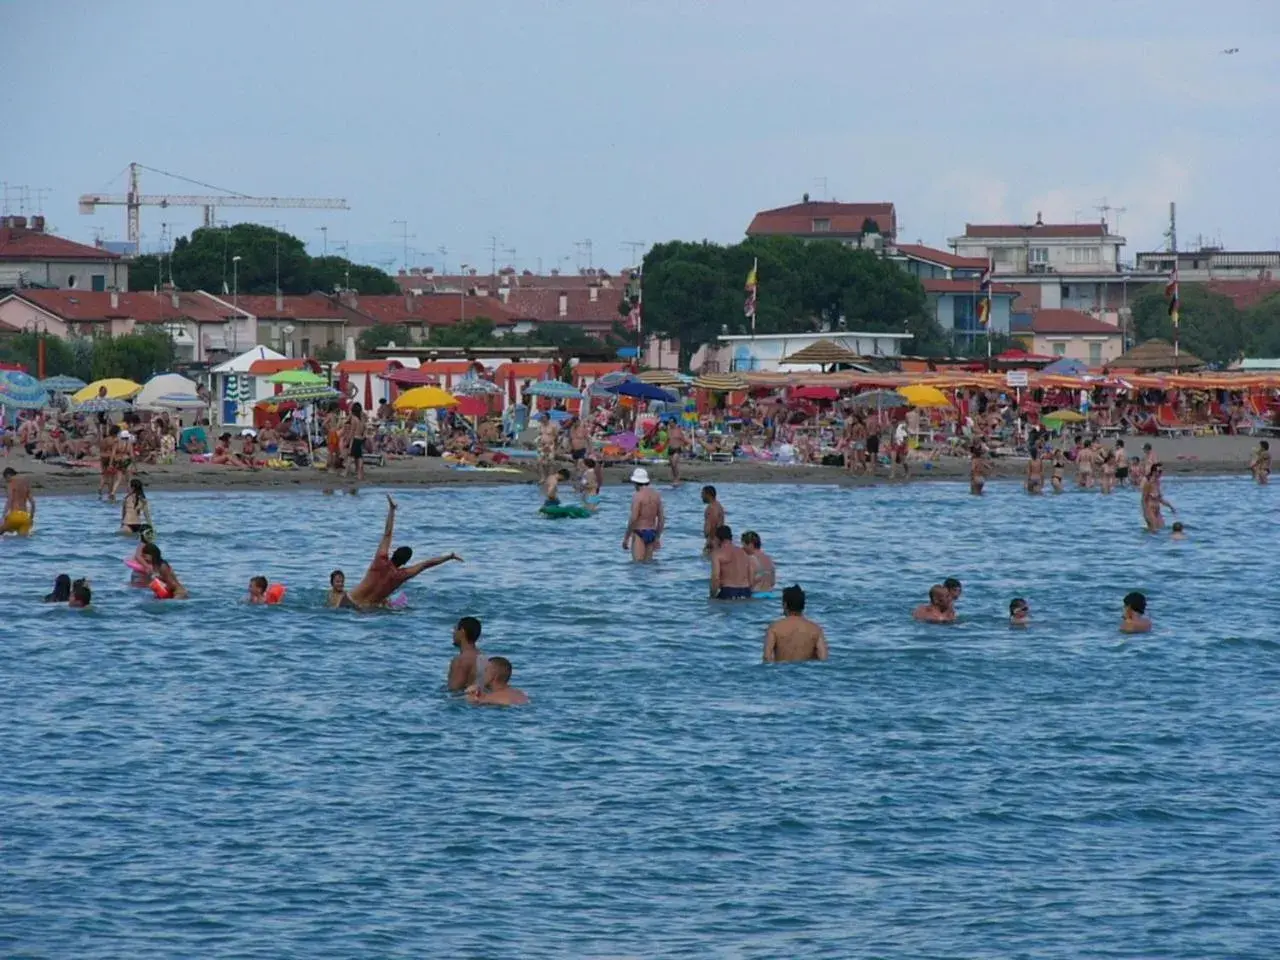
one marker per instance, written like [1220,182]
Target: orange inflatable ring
[160,590]
[274,594]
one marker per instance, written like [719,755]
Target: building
[30,257]
[1059,266]
[424,280]
[952,290]
[1070,333]
[765,352]
[868,225]
[1214,263]
[420,314]
[593,309]
[73,313]
[307,325]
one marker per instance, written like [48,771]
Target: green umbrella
[296,377]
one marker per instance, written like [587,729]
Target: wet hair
[81,593]
[951,583]
[1137,602]
[470,628]
[135,487]
[1264,445]
[61,590]
[10,472]
[1016,604]
[752,538]
[793,598]
[333,576]
[259,582]
[152,553]
[401,556]
[724,534]
[501,668]
[709,491]
[1177,527]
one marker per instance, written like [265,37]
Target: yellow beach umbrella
[1065,416]
[117,389]
[923,395]
[425,398]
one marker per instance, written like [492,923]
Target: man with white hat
[648,519]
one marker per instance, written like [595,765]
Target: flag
[1171,291]
[749,308]
[984,291]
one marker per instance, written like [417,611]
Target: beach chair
[1168,424]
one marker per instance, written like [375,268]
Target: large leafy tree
[1262,328]
[135,356]
[1209,326]
[204,261]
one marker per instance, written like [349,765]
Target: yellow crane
[135,200]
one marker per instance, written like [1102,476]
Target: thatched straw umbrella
[1155,355]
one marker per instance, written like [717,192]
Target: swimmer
[337,595]
[1178,532]
[954,590]
[675,449]
[1019,613]
[730,568]
[551,487]
[795,637]
[763,574]
[979,468]
[81,595]
[1135,618]
[388,570]
[161,571]
[462,668]
[712,519]
[257,590]
[588,486]
[1260,465]
[135,512]
[141,577]
[1153,499]
[1059,466]
[938,609]
[19,506]
[1035,473]
[61,590]
[498,691]
[647,521]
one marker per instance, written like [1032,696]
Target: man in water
[337,596]
[1153,499]
[257,591]
[1178,532]
[81,595]
[498,691]
[712,519]
[730,568]
[548,438]
[462,668]
[795,637]
[647,521]
[675,449]
[1019,613]
[578,439]
[551,487]
[1135,618]
[387,572]
[763,574]
[1260,465]
[1035,472]
[978,470]
[1122,464]
[954,589]
[938,609]
[19,505]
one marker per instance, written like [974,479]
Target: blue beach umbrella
[102,405]
[21,391]
[642,391]
[555,389]
[62,384]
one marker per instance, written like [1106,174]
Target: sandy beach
[1182,456]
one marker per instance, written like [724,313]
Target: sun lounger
[1169,425]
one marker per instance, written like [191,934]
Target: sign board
[1016,378]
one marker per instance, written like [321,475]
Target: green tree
[1262,328]
[472,332]
[134,356]
[24,348]
[1210,326]
[381,335]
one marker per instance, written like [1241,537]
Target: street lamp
[462,292]
[235,305]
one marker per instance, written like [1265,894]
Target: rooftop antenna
[634,246]
[821,182]
[41,193]
[346,279]
[493,255]
[1103,209]
[444,262]
[405,237]
[1119,212]
[511,252]
[584,246]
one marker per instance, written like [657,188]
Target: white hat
[640,475]
[248,432]
[126,435]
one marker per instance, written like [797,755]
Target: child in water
[1019,613]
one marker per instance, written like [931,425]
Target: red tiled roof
[310,306]
[93,307]
[846,218]
[18,243]
[1070,321]
[596,369]
[543,306]
[940,285]
[364,366]
[1243,293]
[942,257]
[433,309]
[522,281]
[1004,230]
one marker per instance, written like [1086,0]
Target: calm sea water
[208,779]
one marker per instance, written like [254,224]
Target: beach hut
[235,389]
[1156,354]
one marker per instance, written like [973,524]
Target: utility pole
[405,237]
[342,245]
[1173,228]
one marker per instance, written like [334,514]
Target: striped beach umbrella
[62,384]
[660,378]
[179,401]
[22,391]
[306,393]
[101,405]
[721,382]
[555,389]
[476,387]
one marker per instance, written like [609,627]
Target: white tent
[242,363]
[235,391]
[163,384]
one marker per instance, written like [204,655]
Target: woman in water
[161,571]
[61,590]
[140,568]
[135,512]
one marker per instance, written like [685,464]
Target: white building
[765,352]
[30,257]
[1214,263]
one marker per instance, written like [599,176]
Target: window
[1059,349]
[1095,354]
[1038,255]
[99,282]
[71,281]
[306,347]
[1082,255]
[821,225]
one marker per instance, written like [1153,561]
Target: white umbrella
[178,401]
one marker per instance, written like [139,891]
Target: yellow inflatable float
[16,521]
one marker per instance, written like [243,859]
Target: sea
[210,779]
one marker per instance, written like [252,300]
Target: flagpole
[1176,308]
[991,269]
[755,272]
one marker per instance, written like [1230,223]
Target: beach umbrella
[1064,416]
[425,398]
[721,382]
[923,395]
[555,389]
[477,387]
[297,377]
[117,389]
[21,391]
[880,399]
[642,391]
[62,384]
[102,405]
[178,401]
[824,353]
[307,393]
[660,378]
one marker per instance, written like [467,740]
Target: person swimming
[337,595]
[81,595]
[1135,619]
[465,668]
[1178,531]
[730,568]
[160,570]
[763,572]
[257,590]
[61,590]
[497,690]
[388,571]
[1019,612]
[648,519]
[939,609]
[795,637]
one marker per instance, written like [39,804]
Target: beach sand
[1180,455]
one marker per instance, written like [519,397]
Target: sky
[544,125]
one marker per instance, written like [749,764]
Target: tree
[1210,326]
[59,357]
[134,356]
[1262,328]
[381,335]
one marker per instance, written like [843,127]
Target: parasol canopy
[425,398]
[476,387]
[923,395]
[642,391]
[117,389]
[21,391]
[880,399]
[660,378]
[721,382]
[102,405]
[1064,416]
[62,384]
[296,377]
[1066,367]
[164,384]
[178,401]
[307,393]
[1156,354]
[823,352]
[555,389]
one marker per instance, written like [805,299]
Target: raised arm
[416,568]
[384,547]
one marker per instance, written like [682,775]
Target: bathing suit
[734,593]
[873,445]
[1122,473]
[647,536]
[138,527]
[578,454]
[357,448]
[552,502]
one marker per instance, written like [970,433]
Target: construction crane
[134,201]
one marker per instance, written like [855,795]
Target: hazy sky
[546,124]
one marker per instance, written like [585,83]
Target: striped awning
[660,378]
[721,382]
